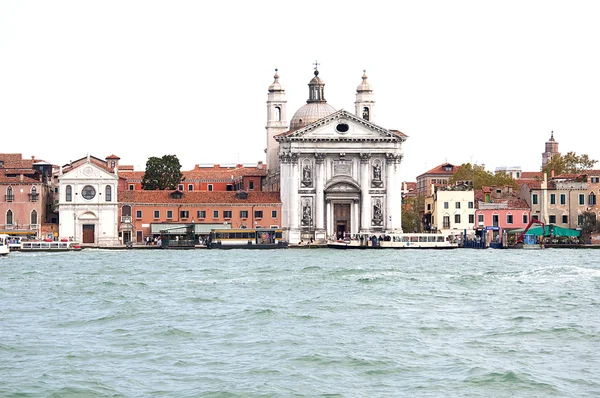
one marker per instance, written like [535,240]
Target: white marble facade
[339,175]
[88,207]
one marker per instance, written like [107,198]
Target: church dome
[316,106]
[310,113]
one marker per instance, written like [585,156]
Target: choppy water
[317,322]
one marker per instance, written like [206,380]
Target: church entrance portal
[342,220]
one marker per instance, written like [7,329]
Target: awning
[548,229]
[17,232]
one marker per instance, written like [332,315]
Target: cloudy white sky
[468,81]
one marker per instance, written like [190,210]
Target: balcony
[10,198]
[34,197]
[126,219]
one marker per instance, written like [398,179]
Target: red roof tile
[198,197]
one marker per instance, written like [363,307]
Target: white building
[454,211]
[88,207]
[338,172]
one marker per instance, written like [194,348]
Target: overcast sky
[468,81]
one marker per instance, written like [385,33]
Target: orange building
[144,213]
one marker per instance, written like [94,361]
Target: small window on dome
[342,128]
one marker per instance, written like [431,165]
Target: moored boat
[52,246]
[397,241]
[4,249]
[246,238]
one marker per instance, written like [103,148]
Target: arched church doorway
[342,196]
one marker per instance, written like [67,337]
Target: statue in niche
[306,176]
[306,214]
[377,212]
[376,182]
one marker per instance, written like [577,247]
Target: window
[226,213]
[457,218]
[525,219]
[243,213]
[34,218]
[190,187]
[471,218]
[210,187]
[251,185]
[156,214]
[534,199]
[229,187]
[480,218]
[180,187]
[273,213]
[592,199]
[580,220]
[552,198]
[108,193]
[552,219]
[581,199]
[9,194]
[428,206]
[565,219]
[138,214]
[563,199]
[471,206]
[258,214]
[201,214]
[131,187]
[169,214]
[184,214]
[88,192]
[509,219]
[68,193]
[457,204]
[446,221]
[33,196]
[9,217]
[535,217]
[495,220]
[215,213]
[446,205]
[595,179]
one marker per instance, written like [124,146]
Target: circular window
[342,128]
[88,192]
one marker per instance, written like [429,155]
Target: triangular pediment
[342,126]
[88,171]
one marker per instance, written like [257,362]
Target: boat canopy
[547,231]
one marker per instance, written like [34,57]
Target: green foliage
[162,173]
[570,163]
[589,224]
[481,177]
[411,213]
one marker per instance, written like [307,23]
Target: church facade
[337,171]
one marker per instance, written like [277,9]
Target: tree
[162,173]
[589,222]
[481,178]
[411,213]
[568,164]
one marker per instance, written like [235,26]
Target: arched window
[69,193]
[33,195]
[34,217]
[592,199]
[366,113]
[9,217]
[126,210]
[278,113]
[108,193]
[9,194]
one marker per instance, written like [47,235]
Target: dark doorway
[342,219]
[88,233]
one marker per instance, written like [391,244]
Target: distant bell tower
[551,150]
[276,124]
[365,102]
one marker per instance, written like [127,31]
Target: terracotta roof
[512,200]
[213,173]
[531,184]
[531,175]
[441,169]
[17,180]
[198,197]
[112,157]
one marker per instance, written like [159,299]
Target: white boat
[14,243]
[397,241]
[52,246]
[4,249]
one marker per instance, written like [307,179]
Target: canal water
[312,322]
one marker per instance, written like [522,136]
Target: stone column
[320,177]
[294,198]
[355,217]
[284,194]
[394,193]
[329,219]
[365,213]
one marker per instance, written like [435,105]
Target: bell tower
[276,124]
[365,102]
[551,150]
